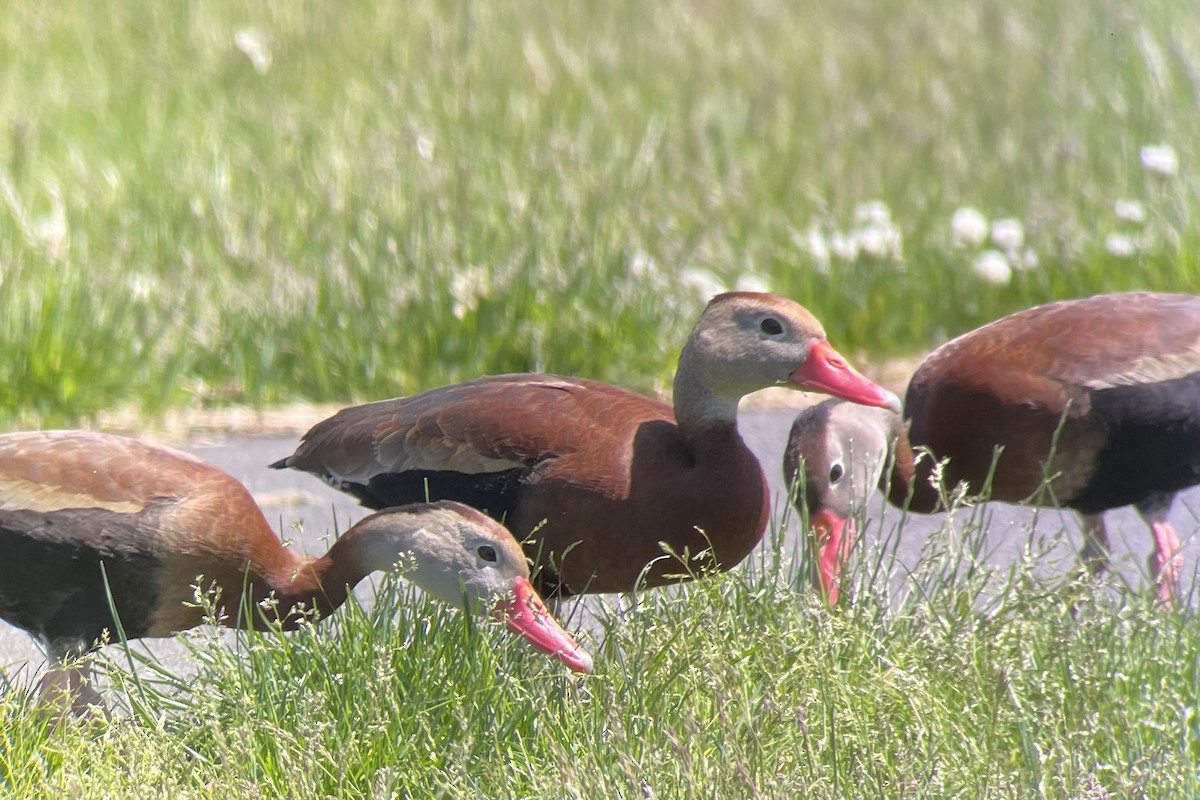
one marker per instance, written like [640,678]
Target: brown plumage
[1109,384]
[595,476]
[84,514]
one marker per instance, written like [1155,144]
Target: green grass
[988,685]
[410,194]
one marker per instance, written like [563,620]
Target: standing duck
[598,479]
[1106,389]
[83,515]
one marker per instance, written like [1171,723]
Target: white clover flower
[1130,211]
[817,246]
[256,46]
[1008,234]
[968,227]
[1026,260]
[992,267]
[701,281]
[873,213]
[749,282]
[467,287]
[1160,158]
[1120,245]
[844,247]
[881,242]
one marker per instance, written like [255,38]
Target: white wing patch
[1152,369]
[397,453]
[18,494]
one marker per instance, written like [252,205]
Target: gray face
[838,449]
[463,560]
[746,342]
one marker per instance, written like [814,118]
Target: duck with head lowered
[1101,396]
[86,518]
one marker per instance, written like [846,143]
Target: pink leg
[1095,544]
[1166,563]
[68,690]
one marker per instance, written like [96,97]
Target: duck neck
[699,407]
[303,588]
[322,584]
[902,486]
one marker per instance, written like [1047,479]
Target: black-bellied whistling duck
[833,461]
[598,475]
[83,511]
[1110,385]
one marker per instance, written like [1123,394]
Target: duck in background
[1101,395]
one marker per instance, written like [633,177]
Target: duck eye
[487,553]
[771,326]
[836,472]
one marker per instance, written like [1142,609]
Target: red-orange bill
[832,536]
[826,371]
[526,614]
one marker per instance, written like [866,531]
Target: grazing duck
[85,516]
[1106,389]
[598,479]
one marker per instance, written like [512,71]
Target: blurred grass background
[236,202]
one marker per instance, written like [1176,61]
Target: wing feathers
[1094,343]
[488,425]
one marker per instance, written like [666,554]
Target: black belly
[1153,443]
[493,493]
[59,570]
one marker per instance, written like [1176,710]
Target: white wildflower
[1026,260]
[1160,158]
[968,227]
[1008,234]
[467,288]
[817,246]
[992,267]
[843,246]
[1120,245]
[256,47]
[881,242]
[1130,211]
[749,282]
[874,213]
[701,281]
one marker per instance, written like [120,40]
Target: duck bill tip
[832,536]
[524,613]
[825,370]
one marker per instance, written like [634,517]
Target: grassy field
[223,203]
[246,203]
[991,685]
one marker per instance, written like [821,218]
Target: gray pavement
[306,511]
